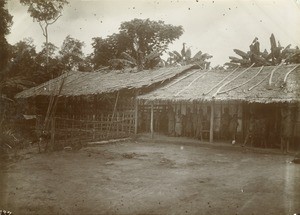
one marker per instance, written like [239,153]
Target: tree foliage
[46,13]
[44,10]
[54,65]
[138,38]
[111,47]
[146,35]
[71,53]
[5,24]
[21,67]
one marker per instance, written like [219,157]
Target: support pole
[52,133]
[151,122]
[211,128]
[94,127]
[136,114]
[113,115]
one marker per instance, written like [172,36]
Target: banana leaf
[128,57]
[241,53]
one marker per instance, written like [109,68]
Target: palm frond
[197,55]
[176,53]
[241,53]
[128,57]
[154,54]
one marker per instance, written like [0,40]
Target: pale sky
[215,27]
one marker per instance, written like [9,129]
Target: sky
[215,27]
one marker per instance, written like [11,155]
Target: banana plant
[175,58]
[277,55]
[127,61]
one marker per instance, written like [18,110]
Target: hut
[93,105]
[256,94]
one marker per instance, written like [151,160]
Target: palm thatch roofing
[90,83]
[257,84]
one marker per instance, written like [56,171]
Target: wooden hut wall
[297,125]
[160,106]
[295,112]
[269,112]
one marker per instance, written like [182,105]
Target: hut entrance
[264,122]
[176,119]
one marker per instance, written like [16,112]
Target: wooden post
[94,126]
[52,132]
[136,115]
[151,121]
[211,128]
[123,122]
[72,129]
[117,124]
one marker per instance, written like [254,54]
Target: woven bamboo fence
[69,131]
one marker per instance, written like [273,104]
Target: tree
[46,13]
[54,66]
[111,47]
[5,24]
[147,36]
[52,49]
[138,38]
[22,67]
[71,53]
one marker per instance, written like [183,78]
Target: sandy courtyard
[145,177]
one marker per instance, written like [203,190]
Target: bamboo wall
[69,131]
[89,118]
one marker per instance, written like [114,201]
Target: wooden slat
[232,80]
[289,72]
[245,82]
[220,82]
[272,73]
[200,76]
[180,79]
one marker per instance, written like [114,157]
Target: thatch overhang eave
[79,83]
[255,85]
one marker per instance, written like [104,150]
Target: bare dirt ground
[138,177]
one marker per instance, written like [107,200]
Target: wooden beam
[272,73]
[287,74]
[151,121]
[113,114]
[231,80]
[190,84]
[245,82]
[220,82]
[188,75]
[211,128]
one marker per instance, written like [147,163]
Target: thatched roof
[89,83]
[250,86]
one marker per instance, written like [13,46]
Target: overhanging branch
[50,23]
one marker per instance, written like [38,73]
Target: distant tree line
[139,44]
